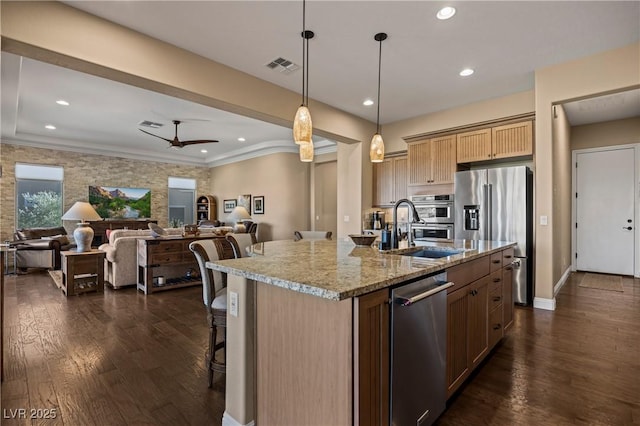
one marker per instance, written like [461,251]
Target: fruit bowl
[362,240]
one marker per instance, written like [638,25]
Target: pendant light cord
[379,73]
[307,72]
[304,47]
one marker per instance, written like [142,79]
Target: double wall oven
[437,213]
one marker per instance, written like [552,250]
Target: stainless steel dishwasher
[418,355]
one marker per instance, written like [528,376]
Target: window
[38,196]
[182,199]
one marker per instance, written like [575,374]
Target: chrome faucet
[394,230]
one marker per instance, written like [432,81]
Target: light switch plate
[233,303]
[543,220]
[346,218]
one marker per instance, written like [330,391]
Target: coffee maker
[377,219]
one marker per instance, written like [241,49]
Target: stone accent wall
[82,170]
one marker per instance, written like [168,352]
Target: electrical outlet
[233,303]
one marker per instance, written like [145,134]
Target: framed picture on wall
[245,201]
[229,205]
[258,204]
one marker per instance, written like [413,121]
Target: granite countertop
[338,269]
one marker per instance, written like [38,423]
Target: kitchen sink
[435,253]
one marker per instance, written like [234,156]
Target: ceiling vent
[283,65]
[152,124]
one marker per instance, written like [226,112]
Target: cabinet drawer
[507,256]
[160,258]
[495,290]
[495,326]
[465,273]
[496,261]
[165,247]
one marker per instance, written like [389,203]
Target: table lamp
[236,217]
[83,234]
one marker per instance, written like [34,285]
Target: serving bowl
[362,240]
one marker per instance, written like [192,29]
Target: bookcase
[206,208]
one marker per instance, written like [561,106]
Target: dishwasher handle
[408,301]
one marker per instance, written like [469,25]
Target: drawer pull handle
[496,326]
[497,298]
[497,280]
[496,261]
[508,256]
[509,268]
[474,292]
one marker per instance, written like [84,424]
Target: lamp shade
[81,211]
[238,214]
[83,234]
[376,149]
[302,126]
[306,152]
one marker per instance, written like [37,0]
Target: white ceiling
[505,42]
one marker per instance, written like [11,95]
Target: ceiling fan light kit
[376,149]
[177,143]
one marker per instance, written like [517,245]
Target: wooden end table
[82,271]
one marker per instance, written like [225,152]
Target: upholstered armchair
[40,247]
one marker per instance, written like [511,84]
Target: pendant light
[306,152]
[376,149]
[302,127]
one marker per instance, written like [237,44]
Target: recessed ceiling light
[50,127]
[367,102]
[204,151]
[241,139]
[62,102]
[446,12]
[466,72]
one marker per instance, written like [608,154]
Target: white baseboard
[227,420]
[546,304]
[563,279]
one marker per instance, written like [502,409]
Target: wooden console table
[82,271]
[166,263]
[100,227]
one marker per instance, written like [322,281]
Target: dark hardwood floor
[121,358]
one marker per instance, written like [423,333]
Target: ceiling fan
[177,143]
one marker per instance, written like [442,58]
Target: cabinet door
[372,372]
[478,295]
[512,140]
[457,339]
[419,162]
[507,296]
[383,184]
[399,178]
[473,146]
[443,159]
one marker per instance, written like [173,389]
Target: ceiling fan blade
[194,142]
[160,137]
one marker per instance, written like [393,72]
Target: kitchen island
[308,328]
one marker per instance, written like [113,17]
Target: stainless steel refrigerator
[497,204]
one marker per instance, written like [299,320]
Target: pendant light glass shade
[306,152]
[376,149]
[302,127]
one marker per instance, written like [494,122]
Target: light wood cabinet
[389,181]
[432,161]
[206,208]
[372,356]
[477,313]
[510,140]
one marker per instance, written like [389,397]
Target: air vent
[283,65]
[152,124]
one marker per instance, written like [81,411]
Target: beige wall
[281,178]
[82,170]
[325,205]
[606,72]
[609,133]
[561,192]
[478,112]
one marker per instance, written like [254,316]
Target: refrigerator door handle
[490,212]
[486,209]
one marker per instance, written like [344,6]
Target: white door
[605,211]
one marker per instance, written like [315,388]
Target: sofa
[41,247]
[121,260]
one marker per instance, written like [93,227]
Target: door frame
[636,200]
